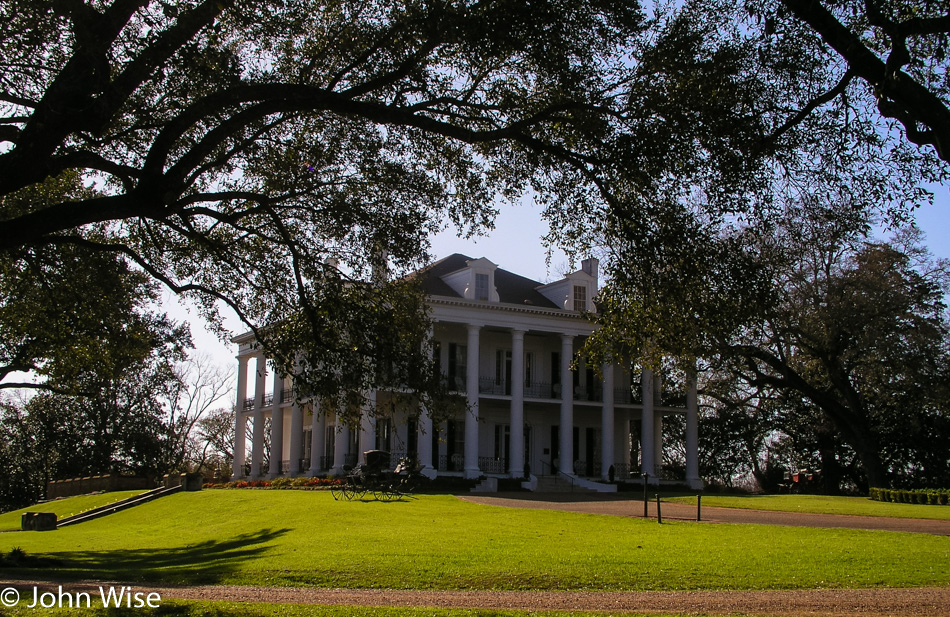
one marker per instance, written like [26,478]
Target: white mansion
[506,343]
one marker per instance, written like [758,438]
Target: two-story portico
[506,343]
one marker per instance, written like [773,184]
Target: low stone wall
[188,481]
[37,521]
[93,484]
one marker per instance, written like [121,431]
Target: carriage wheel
[338,491]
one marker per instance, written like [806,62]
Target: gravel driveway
[919,602]
[626,506]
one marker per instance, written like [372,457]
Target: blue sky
[515,245]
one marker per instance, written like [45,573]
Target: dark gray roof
[512,288]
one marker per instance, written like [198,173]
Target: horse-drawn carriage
[374,478]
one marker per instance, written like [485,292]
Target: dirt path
[924,602]
[625,506]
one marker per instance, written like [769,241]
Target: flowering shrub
[281,483]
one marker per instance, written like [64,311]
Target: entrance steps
[560,484]
[551,484]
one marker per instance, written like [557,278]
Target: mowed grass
[821,504]
[65,507]
[292,538]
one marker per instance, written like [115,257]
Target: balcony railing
[624,395]
[594,393]
[627,396]
[456,462]
[541,389]
[622,471]
[287,395]
[488,385]
[267,401]
[487,464]
[457,383]
[249,403]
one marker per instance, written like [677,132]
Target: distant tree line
[846,374]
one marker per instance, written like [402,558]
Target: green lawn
[292,538]
[65,507]
[820,504]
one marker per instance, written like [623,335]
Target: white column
[318,441]
[240,421]
[367,440]
[471,414]
[296,425]
[607,422]
[516,451]
[566,450]
[276,428]
[646,426]
[341,446]
[692,432]
[622,443]
[296,439]
[657,425]
[257,448]
[424,430]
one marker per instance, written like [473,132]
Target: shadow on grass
[204,563]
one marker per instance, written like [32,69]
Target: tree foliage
[149,417]
[897,47]
[850,363]
[263,155]
[241,148]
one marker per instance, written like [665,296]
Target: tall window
[437,358]
[481,287]
[503,369]
[383,434]
[458,358]
[580,298]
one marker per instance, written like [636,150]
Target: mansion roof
[512,288]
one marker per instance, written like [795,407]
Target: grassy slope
[305,538]
[820,504]
[64,507]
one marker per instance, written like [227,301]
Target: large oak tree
[269,156]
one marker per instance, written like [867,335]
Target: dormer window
[481,287]
[580,298]
[476,281]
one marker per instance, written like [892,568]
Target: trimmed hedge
[282,483]
[925,496]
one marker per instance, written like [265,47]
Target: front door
[502,447]
[527,450]
[590,447]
